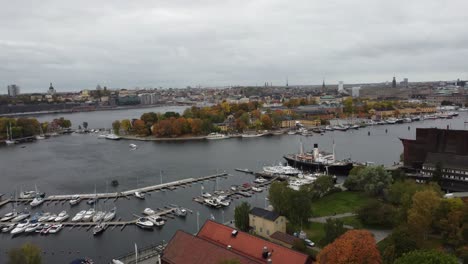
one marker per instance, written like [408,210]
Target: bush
[374,180]
[377,213]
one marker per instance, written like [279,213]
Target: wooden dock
[115,195]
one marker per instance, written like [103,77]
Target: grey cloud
[209,42]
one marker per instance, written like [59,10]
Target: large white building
[13,90]
[341,87]
[355,91]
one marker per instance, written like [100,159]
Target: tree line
[27,127]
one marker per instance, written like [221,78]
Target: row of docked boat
[91,215]
[14,217]
[27,226]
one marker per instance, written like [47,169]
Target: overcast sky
[175,43]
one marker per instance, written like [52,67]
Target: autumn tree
[425,204]
[426,257]
[355,246]
[27,254]
[267,123]
[241,216]
[116,126]
[139,128]
[126,125]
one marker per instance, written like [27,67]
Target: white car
[309,242]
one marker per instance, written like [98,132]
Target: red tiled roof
[185,248]
[283,237]
[249,245]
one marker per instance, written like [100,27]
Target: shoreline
[151,138]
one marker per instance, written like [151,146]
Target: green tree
[241,216]
[126,125]
[374,180]
[27,254]
[116,127]
[85,125]
[377,213]
[333,229]
[437,175]
[426,257]
[420,215]
[300,245]
[278,196]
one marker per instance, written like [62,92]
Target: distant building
[148,98]
[355,91]
[340,87]
[394,82]
[216,242]
[433,146]
[51,90]
[404,82]
[13,90]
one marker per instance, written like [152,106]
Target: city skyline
[213,44]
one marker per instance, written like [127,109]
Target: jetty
[115,195]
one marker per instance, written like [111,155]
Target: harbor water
[79,163]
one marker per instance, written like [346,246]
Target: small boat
[244,193]
[140,195]
[62,216]
[112,137]
[27,194]
[206,195]
[144,223]
[76,199]
[98,216]
[257,189]
[223,201]
[244,170]
[21,216]
[7,217]
[148,211]
[157,220]
[89,215]
[234,188]
[252,135]
[260,180]
[329,128]
[33,227]
[132,146]
[102,136]
[79,216]
[55,228]
[20,227]
[99,228]
[213,136]
[45,229]
[44,217]
[180,212]
[291,132]
[8,228]
[354,127]
[110,215]
[212,202]
[91,201]
[52,218]
[37,201]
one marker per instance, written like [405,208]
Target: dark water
[77,163]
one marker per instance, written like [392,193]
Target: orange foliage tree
[355,246]
[140,128]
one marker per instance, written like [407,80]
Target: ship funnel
[316,152]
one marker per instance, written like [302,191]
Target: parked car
[309,242]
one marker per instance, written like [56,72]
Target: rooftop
[260,212]
[283,237]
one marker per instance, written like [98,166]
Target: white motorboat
[256,189]
[132,146]
[89,215]
[213,136]
[9,216]
[292,133]
[206,195]
[79,216]
[223,201]
[21,216]
[140,195]
[157,220]
[55,228]
[281,170]
[45,229]
[144,222]
[37,201]
[20,227]
[212,202]
[234,188]
[112,137]
[52,218]
[8,228]
[260,180]
[27,194]
[33,227]
[99,228]
[148,211]
[102,136]
[180,212]
[91,201]
[76,199]
[98,216]
[62,216]
[44,217]
[252,135]
[110,215]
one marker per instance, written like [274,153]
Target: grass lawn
[314,231]
[352,221]
[341,202]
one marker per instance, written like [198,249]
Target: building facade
[13,90]
[265,223]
